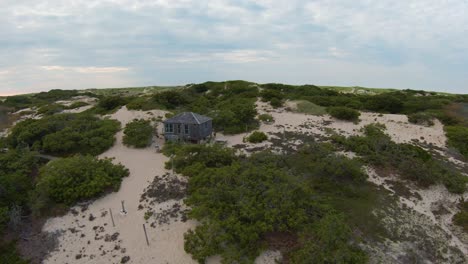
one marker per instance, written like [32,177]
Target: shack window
[178,128]
[186,128]
[169,128]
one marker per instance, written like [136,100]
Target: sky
[75,44]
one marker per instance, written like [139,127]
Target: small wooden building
[188,126]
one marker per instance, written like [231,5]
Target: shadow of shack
[188,127]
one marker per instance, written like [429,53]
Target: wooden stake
[123,208]
[112,217]
[146,235]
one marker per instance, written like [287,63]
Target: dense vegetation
[410,161]
[343,113]
[65,134]
[9,255]
[74,179]
[461,218]
[41,99]
[257,137]
[247,204]
[458,138]
[17,168]
[24,193]
[230,104]
[424,119]
[138,133]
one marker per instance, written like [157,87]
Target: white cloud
[207,36]
[85,69]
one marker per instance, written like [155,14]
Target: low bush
[307,107]
[138,133]
[76,105]
[65,134]
[266,118]
[242,203]
[50,109]
[421,118]
[9,254]
[257,137]
[343,113]
[461,218]
[78,178]
[411,162]
[275,102]
[458,138]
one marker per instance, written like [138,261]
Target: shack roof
[188,118]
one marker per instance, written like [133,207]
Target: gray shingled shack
[188,126]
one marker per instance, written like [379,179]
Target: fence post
[146,235]
[112,217]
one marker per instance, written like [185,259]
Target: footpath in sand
[88,240]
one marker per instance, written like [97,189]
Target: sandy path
[165,246]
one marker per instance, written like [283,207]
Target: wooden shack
[188,127]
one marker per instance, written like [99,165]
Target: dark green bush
[170,99]
[138,133]
[240,201]
[411,162]
[9,254]
[461,218]
[343,113]
[17,169]
[109,104]
[78,178]
[50,109]
[275,102]
[329,243]
[76,105]
[266,118]
[458,138]
[65,134]
[424,119]
[257,137]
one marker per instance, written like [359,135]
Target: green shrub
[461,218]
[9,254]
[65,134]
[50,109]
[424,119]
[76,105]
[411,162]
[239,201]
[138,133]
[257,137]
[170,99]
[16,170]
[275,102]
[310,108]
[266,118]
[235,116]
[343,113]
[329,243]
[78,178]
[109,104]
[458,138]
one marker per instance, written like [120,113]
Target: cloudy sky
[69,44]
